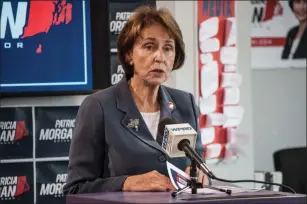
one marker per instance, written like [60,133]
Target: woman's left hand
[201,177]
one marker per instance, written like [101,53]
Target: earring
[131,63]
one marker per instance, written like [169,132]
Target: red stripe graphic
[269,42]
[21,130]
[22,185]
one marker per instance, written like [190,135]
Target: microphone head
[172,133]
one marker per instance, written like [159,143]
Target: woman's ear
[128,58]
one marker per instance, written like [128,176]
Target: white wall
[279,106]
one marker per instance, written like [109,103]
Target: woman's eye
[149,46]
[169,48]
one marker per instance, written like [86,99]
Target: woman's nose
[159,55]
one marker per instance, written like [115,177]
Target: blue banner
[45,46]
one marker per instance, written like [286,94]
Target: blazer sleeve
[198,147]
[87,154]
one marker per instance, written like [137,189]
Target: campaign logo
[54,189]
[181,129]
[12,187]
[266,10]
[61,132]
[12,131]
[25,19]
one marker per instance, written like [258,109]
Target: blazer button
[162,158]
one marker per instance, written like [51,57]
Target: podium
[263,197]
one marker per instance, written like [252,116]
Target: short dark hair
[291,3]
[143,17]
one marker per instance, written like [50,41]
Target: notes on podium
[180,179]
[233,189]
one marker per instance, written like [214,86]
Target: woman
[115,146]
[296,41]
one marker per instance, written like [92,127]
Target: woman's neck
[145,95]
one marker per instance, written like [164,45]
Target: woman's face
[153,55]
[299,9]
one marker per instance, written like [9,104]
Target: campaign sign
[45,46]
[117,71]
[16,134]
[119,12]
[51,177]
[54,128]
[278,34]
[16,183]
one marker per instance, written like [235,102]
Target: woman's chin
[156,81]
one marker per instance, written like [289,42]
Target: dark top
[300,52]
[104,151]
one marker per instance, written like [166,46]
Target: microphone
[179,140]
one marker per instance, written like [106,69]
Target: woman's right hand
[151,181]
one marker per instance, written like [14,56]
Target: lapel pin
[171,105]
[134,123]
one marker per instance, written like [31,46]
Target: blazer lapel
[167,108]
[133,120]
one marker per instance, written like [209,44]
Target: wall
[279,107]
[185,79]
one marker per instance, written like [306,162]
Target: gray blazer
[104,150]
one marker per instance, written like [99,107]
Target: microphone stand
[194,185]
[193,176]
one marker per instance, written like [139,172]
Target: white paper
[174,172]
[236,137]
[206,58]
[213,150]
[208,28]
[228,55]
[209,79]
[231,96]
[215,119]
[210,45]
[207,135]
[232,122]
[234,115]
[230,68]
[207,105]
[231,31]
[231,79]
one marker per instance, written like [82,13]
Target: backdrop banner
[16,183]
[35,170]
[51,177]
[53,132]
[278,38]
[16,134]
